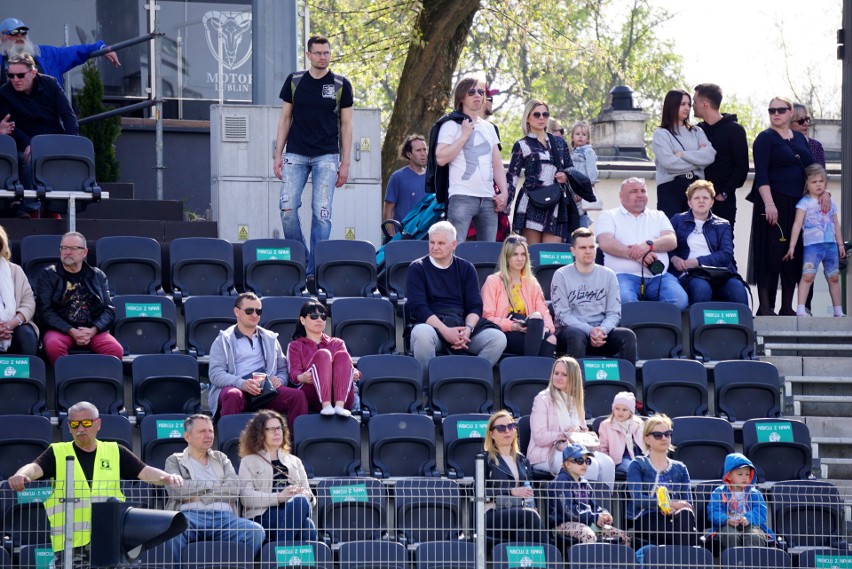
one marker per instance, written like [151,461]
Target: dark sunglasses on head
[778,110]
[472,92]
[85,422]
[251,311]
[660,435]
[578,461]
[18,75]
[503,428]
[516,239]
[16,33]
[804,121]
[316,315]
[538,114]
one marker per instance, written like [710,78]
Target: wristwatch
[650,245]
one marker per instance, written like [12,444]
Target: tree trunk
[424,93]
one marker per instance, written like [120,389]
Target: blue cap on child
[575,451]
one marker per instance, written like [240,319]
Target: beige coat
[24,296]
[256,473]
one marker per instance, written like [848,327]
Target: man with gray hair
[445,306]
[75,303]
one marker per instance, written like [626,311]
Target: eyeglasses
[516,239]
[578,461]
[503,428]
[321,53]
[472,92]
[16,33]
[85,422]
[317,315]
[661,435]
[277,429]
[778,110]
[65,247]
[17,75]
[249,311]
[804,121]
[538,115]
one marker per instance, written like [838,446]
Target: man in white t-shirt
[633,238]
[471,150]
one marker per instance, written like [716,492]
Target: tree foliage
[103,133]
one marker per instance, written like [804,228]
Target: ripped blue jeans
[323,171]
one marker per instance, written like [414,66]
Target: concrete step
[822,405]
[825,349]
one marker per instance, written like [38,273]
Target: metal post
[72,213]
[158,96]
[479,504]
[69,502]
[845,35]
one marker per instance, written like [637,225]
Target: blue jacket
[755,509]
[642,482]
[572,501]
[720,240]
[55,61]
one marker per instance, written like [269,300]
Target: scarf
[627,428]
[7,296]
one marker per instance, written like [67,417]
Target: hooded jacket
[572,501]
[755,508]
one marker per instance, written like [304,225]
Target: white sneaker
[342,411]
[327,411]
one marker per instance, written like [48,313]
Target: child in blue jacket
[737,509]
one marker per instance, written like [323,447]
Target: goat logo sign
[233,31]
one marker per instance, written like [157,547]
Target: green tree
[103,133]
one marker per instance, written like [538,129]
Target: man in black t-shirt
[316,126]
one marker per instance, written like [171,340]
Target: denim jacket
[572,501]
[643,480]
[719,236]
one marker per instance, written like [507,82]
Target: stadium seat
[779,448]
[445,554]
[158,557]
[24,519]
[521,379]
[677,556]
[374,554]
[546,259]
[274,267]
[389,384]
[367,325]
[755,558]
[63,163]
[37,253]
[808,513]
[280,315]
[228,430]
[599,555]
[161,436]
[482,254]
[165,383]
[817,556]
[398,257]
[215,554]
[23,387]
[701,492]
[658,327]
[702,443]
[677,388]
[402,444]
[328,446]
[305,554]
[201,266]
[96,378]
[351,509]
[427,509]
[40,555]
[345,268]
[9,179]
[145,324]
[205,317]
[22,439]
[746,390]
[132,264]
[602,379]
[114,428]
[721,331]
[464,436]
[460,384]
[516,555]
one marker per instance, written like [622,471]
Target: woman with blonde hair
[18,334]
[274,488]
[558,419]
[513,300]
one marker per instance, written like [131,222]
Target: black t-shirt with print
[314,130]
[77,301]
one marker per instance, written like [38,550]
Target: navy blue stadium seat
[747,389]
[389,384]
[274,267]
[460,384]
[96,378]
[328,446]
[345,268]
[351,509]
[132,264]
[658,327]
[521,379]
[201,266]
[165,383]
[779,448]
[675,387]
[23,388]
[145,324]
[402,444]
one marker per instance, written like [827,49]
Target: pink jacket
[496,308]
[613,442]
[544,427]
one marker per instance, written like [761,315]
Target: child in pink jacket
[622,426]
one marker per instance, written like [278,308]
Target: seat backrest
[367,325]
[755,558]
[345,268]
[280,315]
[427,509]
[516,555]
[390,384]
[63,162]
[439,554]
[482,254]
[114,428]
[597,555]
[675,387]
[376,553]
[205,317]
[166,383]
[306,554]
[721,331]
[23,387]
[274,267]
[352,509]
[228,431]
[22,439]
[808,513]
[464,436]
[747,389]
[546,259]
[328,446]
[132,264]
[402,444]
[160,437]
[398,257]
[521,379]
[602,379]
[673,556]
[460,384]
[37,253]
[702,443]
[145,324]
[9,164]
[201,266]
[96,378]
[779,448]
[658,327]
[216,554]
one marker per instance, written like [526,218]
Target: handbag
[266,395]
[716,276]
[545,197]
[587,439]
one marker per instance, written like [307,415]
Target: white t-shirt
[471,171]
[697,242]
[630,229]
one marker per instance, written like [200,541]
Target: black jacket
[730,168]
[499,480]
[44,111]
[51,286]
[438,177]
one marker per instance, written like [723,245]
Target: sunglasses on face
[778,110]
[804,121]
[85,422]
[472,92]
[661,435]
[579,461]
[317,315]
[18,75]
[538,115]
[250,311]
[16,33]
[504,428]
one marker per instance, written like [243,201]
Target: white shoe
[342,411]
[327,411]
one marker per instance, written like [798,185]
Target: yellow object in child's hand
[663,500]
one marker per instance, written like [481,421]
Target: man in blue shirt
[407,186]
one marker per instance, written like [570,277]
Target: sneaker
[342,411]
[327,411]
